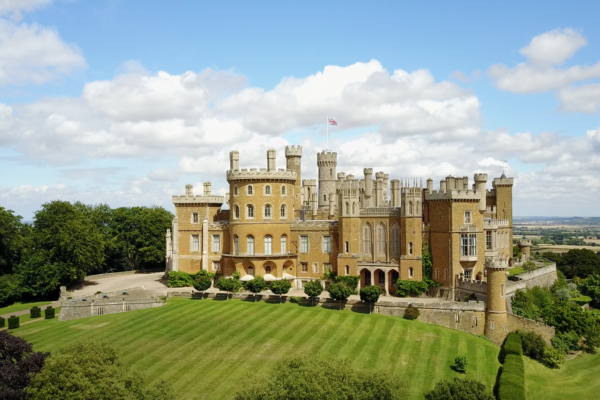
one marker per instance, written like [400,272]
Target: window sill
[468,258]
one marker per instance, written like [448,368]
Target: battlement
[481,177]
[326,158]
[341,175]
[368,171]
[349,177]
[495,223]
[309,182]
[468,195]
[212,200]
[380,175]
[293,151]
[411,191]
[348,188]
[502,182]
[262,173]
[496,263]
[524,243]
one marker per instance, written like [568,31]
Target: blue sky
[95,103]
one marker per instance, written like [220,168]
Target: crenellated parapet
[293,151]
[261,174]
[327,159]
[348,188]
[461,195]
[212,200]
[502,182]
[496,263]
[309,182]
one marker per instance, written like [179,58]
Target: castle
[282,227]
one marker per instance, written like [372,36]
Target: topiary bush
[13,322]
[511,385]
[411,313]
[460,389]
[49,312]
[512,345]
[295,299]
[35,312]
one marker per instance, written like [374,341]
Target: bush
[566,341]
[370,294]
[411,313]
[410,288]
[281,287]
[180,279]
[511,385]
[533,344]
[460,364]
[313,289]
[202,282]
[256,285]
[18,364]
[49,312]
[459,389]
[229,284]
[35,312]
[295,299]
[13,322]
[553,357]
[512,345]
[563,294]
[2,322]
[340,291]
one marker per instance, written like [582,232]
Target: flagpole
[327,124]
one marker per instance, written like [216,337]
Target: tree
[370,294]
[427,261]
[459,389]
[10,288]
[228,285]
[91,370]
[313,289]
[281,287]
[256,285]
[460,364]
[579,262]
[202,281]
[314,377]
[340,291]
[591,287]
[18,363]
[11,240]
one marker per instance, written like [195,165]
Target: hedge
[2,322]
[512,380]
[35,312]
[49,312]
[13,322]
[512,345]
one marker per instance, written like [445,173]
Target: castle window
[410,207]
[411,273]
[268,211]
[330,171]
[325,197]
[468,274]
[381,278]
[502,291]
[282,210]
[347,247]
[464,244]
[236,245]
[194,218]
[304,267]
[473,244]
[381,240]
[283,244]
[395,277]
[268,245]
[396,239]
[250,245]
[410,248]
[250,211]
[195,243]
[457,318]
[267,189]
[467,217]
[327,244]
[354,208]
[347,208]
[283,190]
[268,269]
[250,190]
[436,273]
[367,277]
[367,235]
[216,265]
[303,244]
[251,271]
[347,270]
[488,240]
[235,190]
[216,243]
[237,212]
[474,321]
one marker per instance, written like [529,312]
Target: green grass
[576,379]
[21,306]
[208,348]
[27,318]
[516,271]
[581,300]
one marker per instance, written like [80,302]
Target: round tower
[327,163]
[496,323]
[525,248]
[293,157]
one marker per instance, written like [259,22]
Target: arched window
[367,277]
[418,207]
[347,270]
[367,237]
[395,277]
[381,278]
[236,245]
[250,213]
[267,189]
[396,239]
[381,239]
[268,269]
[237,211]
[250,190]
[347,247]
[251,271]
[410,207]
[411,273]
[235,191]
[283,244]
[330,171]
[325,197]
[283,190]
[268,245]
[410,248]
[250,245]
[282,210]
[347,208]
[268,212]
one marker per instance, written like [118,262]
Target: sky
[125,102]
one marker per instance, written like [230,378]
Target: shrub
[202,282]
[511,385]
[35,312]
[411,313]
[533,344]
[256,285]
[49,312]
[313,289]
[410,288]
[340,291]
[563,294]
[553,357]
[459,389]
[281,287]
[460,364]
[13,322]
[229,284]
[512,345]
[566,341]
[370,294]
[180,279]
[18,364]
[295,299]
[2,322]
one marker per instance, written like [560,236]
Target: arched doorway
[366,278]
[394,276]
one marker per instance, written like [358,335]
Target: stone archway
[269,267]
[366,277]
[393,276]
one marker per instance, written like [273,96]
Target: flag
[332,122]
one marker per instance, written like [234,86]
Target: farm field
[561,248]
[208,348]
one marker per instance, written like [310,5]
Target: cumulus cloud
[584,99]
[553,48]
[16,7]
[32,54]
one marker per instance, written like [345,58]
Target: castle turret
[271,160]
[525,248]
[341,176]
[189,190]
[293,157]
[379,189]
[234,160]
[327,163]
[395,193]
[207,188]
[429,186]
[386,182]
[368,198]
[480,181]
[496,324]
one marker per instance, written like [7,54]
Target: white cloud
[32,54]
[553,48]
[16,7]
[584,99]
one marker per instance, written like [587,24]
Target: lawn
[516,271]
[576,380]
[21,306]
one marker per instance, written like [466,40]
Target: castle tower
[368,199]
[327,163]
[411,231]
[234,160]
[480,181]
[395,193]
[525,248]
[379,189]
[504,209]
[496,323]
[293,156]
[348,204]
[271,160]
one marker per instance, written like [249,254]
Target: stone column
[386,283]
[205,244]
